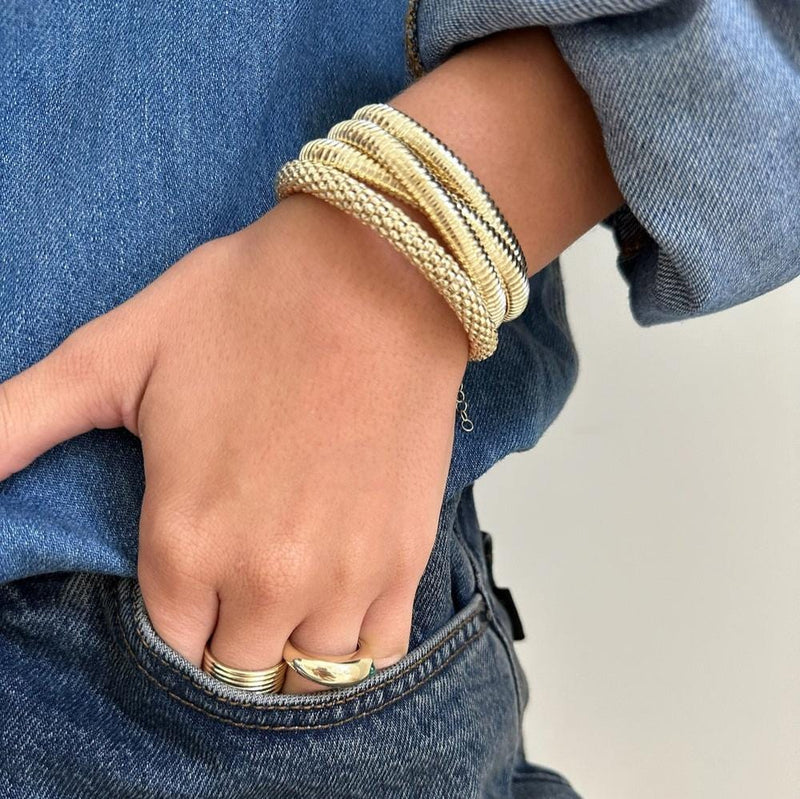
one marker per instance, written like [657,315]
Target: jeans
[95,704]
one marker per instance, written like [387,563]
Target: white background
[652,543]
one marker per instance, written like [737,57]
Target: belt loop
[503,594]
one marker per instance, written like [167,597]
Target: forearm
[512,110]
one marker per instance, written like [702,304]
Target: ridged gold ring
[268,681]
[337,670]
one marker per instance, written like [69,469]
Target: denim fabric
[95,704]
[132,132]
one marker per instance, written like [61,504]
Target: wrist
[510,107]
[364,293]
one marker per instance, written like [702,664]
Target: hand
[294,387]
[294,384]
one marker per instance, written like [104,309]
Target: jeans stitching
[274,727]
[413,60]
[326,705]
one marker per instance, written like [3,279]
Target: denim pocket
[167,670]
[117,713]
[449,654]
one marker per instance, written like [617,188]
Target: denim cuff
[698,101]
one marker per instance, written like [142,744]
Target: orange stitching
[275,728]
[238,703]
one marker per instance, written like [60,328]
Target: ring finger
[250,635]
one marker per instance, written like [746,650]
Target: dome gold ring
[331,671]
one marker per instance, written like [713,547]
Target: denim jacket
[131,133]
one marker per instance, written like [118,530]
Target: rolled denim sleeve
[699,104]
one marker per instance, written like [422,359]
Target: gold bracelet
[434,201]
[405,235]
[457,178]
[359,165]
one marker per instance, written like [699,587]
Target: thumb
[94,378]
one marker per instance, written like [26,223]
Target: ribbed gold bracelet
[457,178]
[405,235]
[435,202]
[359,165]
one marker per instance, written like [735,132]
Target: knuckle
[273,579]
[291,565]
[360,580]
[169,563]
[169,613]
[348,574]
[79,352]
[171,545]
[261,593]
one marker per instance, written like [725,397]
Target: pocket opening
[444,646]
[169,671]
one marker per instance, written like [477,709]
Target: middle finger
[326,633]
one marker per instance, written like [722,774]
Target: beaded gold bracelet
[405,235]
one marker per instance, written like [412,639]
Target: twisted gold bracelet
[357,164]
[457,178]
[405,235]
[432,198]
[362,166]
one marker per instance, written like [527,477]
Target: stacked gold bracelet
[381,149]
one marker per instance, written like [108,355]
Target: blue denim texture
[132,132]
[95,704]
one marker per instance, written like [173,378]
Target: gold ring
[336,670]
[268,681]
